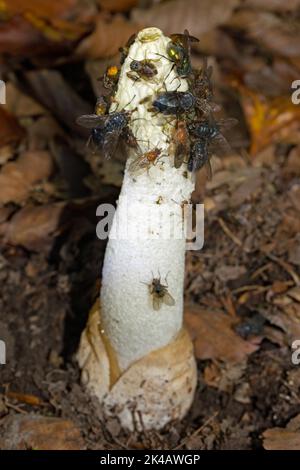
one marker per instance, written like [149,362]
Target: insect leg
[171,69]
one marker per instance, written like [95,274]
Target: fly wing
[184,38]
[207,106]
[187,40]
[208,169]
[182,144]
[169,100]
[168,299]
[137,165]
[190,38]
[110,143]
[90,121]
[181,153]
[228,123]
[220,146]
[157,301]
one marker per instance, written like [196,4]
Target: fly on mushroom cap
[106,129]
[145,69]
[145,161]
[178,52]
[181,141]
[160,294]
[174,102]
[111,77]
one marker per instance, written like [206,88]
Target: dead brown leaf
[42,131]
[34,227]
[47,8]
[110,33]
[283,438]
[224,376]
[31,400]
[40,433]
[55,20]
[198,16]
[228,273]
[20,104]
[287,315]
[247,190]
[17,178]
[270,120]
[18,38]
[117,5]
[269,31]
[10,129]
[50,89]
[214,336]
[273,5]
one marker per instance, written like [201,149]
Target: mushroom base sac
[153,391]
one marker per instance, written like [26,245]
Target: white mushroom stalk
[135,355]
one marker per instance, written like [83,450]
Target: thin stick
[228,232]
[286,266]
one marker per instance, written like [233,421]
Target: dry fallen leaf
[283,438]
[228,273]
[31,400]
[10,129]
[117,5]
[46,9]
[50,89]
[273,5]
[40,433]
[286,316]
[20,104]
[214,336]
[57,21]
[269,119]
[269,31]
[19,38]
[17,178]
[34,227]
[224,376]
[198,16]
[110,33]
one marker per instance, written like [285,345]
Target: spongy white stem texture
[129,320]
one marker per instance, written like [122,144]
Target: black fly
[209,140]
[106,130]
[178,52]
[160,294]
[174,102]
[203,90]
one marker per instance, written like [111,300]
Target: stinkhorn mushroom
[135,354]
